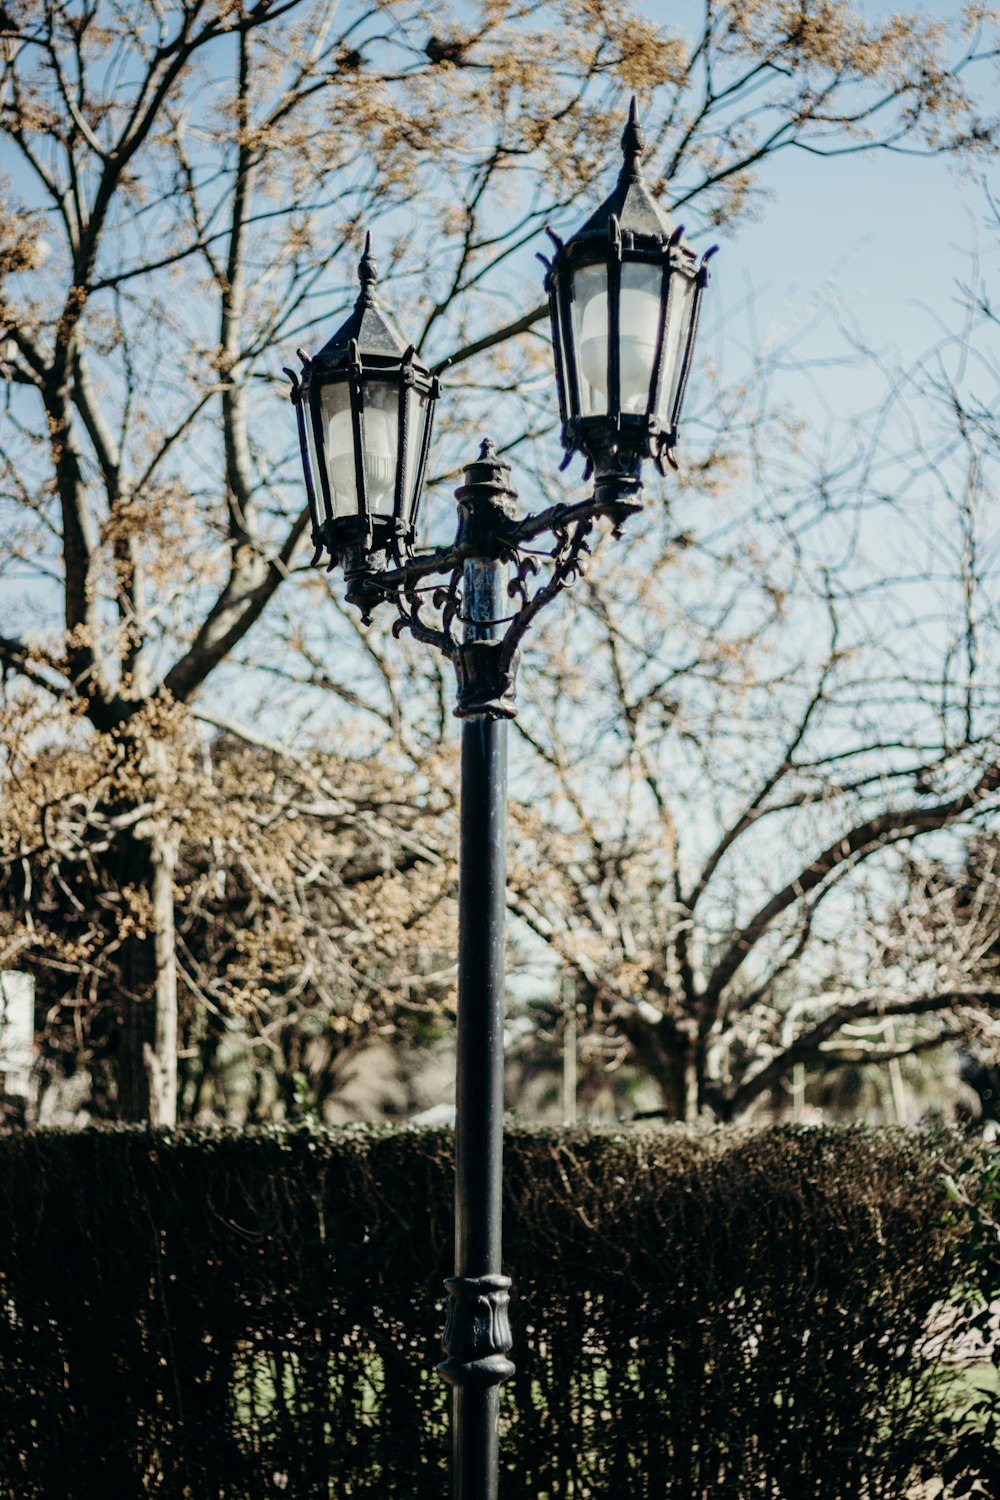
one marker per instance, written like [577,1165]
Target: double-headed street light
[624,294]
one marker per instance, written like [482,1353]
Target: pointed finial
[633,143]
[368,270]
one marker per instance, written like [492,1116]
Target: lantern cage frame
[629,228]
[366,351]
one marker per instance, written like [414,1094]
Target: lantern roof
[631,202]
[369,325]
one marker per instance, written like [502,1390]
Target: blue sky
[883,237]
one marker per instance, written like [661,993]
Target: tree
[313,910]
[187,189]
[782,709]
[947,922]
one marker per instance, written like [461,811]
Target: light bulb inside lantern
[639,318]
[380,434]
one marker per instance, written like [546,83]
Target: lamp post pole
[477,1337]
[624,295]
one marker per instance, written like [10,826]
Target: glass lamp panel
[638,327]
[559,345]
[307,428]
[381,438]
[380,425]
[314,468]
[590,336]
[680,305]
[416,425]
[338,443]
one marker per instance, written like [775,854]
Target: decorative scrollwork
[525,567]
[569,562]
[445,600]
[426,588]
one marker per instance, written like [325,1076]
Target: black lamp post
[624,294]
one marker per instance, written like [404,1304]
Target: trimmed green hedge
[239,1315]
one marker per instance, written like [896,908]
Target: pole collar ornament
[477,1336]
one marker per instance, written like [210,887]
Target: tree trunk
[677,1080]
[669,1054]
[147,1053]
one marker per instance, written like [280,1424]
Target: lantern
[364,407]
[624,294]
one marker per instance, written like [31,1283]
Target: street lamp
[364,406]
[624,294]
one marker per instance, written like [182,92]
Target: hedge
[248,1314]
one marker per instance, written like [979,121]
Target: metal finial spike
[368,267]
[487,451]
[633,141]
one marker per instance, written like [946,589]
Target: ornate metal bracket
[477,1337]
[489,529]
